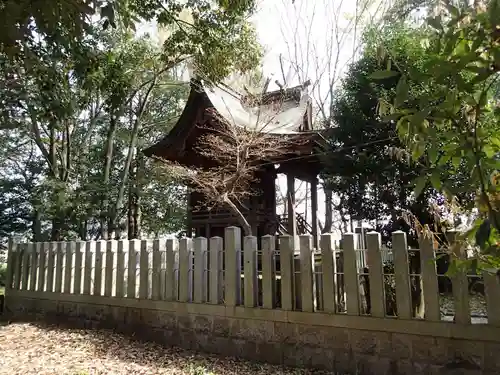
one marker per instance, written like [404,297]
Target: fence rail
[399,283]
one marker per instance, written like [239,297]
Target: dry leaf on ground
[27,349]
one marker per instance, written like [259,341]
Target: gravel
[43,350]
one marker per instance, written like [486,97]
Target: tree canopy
[217,36]
[82,95]
[367,167]
[452,127]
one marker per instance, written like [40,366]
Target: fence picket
[376,274]
[98,269]
[328,269]
[171,288]
[156,272]
[401,275]
[459,282]
[429,279]
[232,272]
[68,266]
[77,281]
[351,274]
[18,265]
[87,270]
[250,271]
[144,271]
[120,270]
[200,266]
[185,270]
[108,272]
[287,272]
[132,269]
[216,282]
[25,266]
[268,272]
[42,268]
[59,267]
[492,292]
[306,273]
[35,249]
[11,263]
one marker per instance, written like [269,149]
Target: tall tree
[67,119]
[216,35]
[454,124]
[366,165]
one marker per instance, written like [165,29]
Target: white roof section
[283,117]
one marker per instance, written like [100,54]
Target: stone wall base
[340,350]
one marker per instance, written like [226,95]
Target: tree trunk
[56,231]
[328,211]
[130,213]
[138,191]
[37,227]
[247,228]
[108,156]
[130,154]
[83,230]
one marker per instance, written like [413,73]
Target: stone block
[166,320]
[171,337]
[92,312]
[118,314]
[492,356]
[202,323]
[184,322]
[297,355]
[45,307]
[221,326]
[270,352]
[68,309]
[202,342]
[254,330]
[285,333]
[336,338]
[434,369]
[244,349]
[363,342]
[372,365]
[220,345]
[158,319]
[157,335]
[426,349]
[401,346]
[344,362]
[404,367]
[466,354]
[133,317]
[310,335]
[384,344]
[187,339]
[420,368]
[322,359]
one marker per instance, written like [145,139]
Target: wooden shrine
[292,113]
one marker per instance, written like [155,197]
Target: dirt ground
[35,349]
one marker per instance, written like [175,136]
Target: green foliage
[452,126]
[368,166]
[216,35]
[61,114]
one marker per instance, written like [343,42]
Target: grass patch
[2,290]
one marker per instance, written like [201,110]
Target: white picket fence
[224,271]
